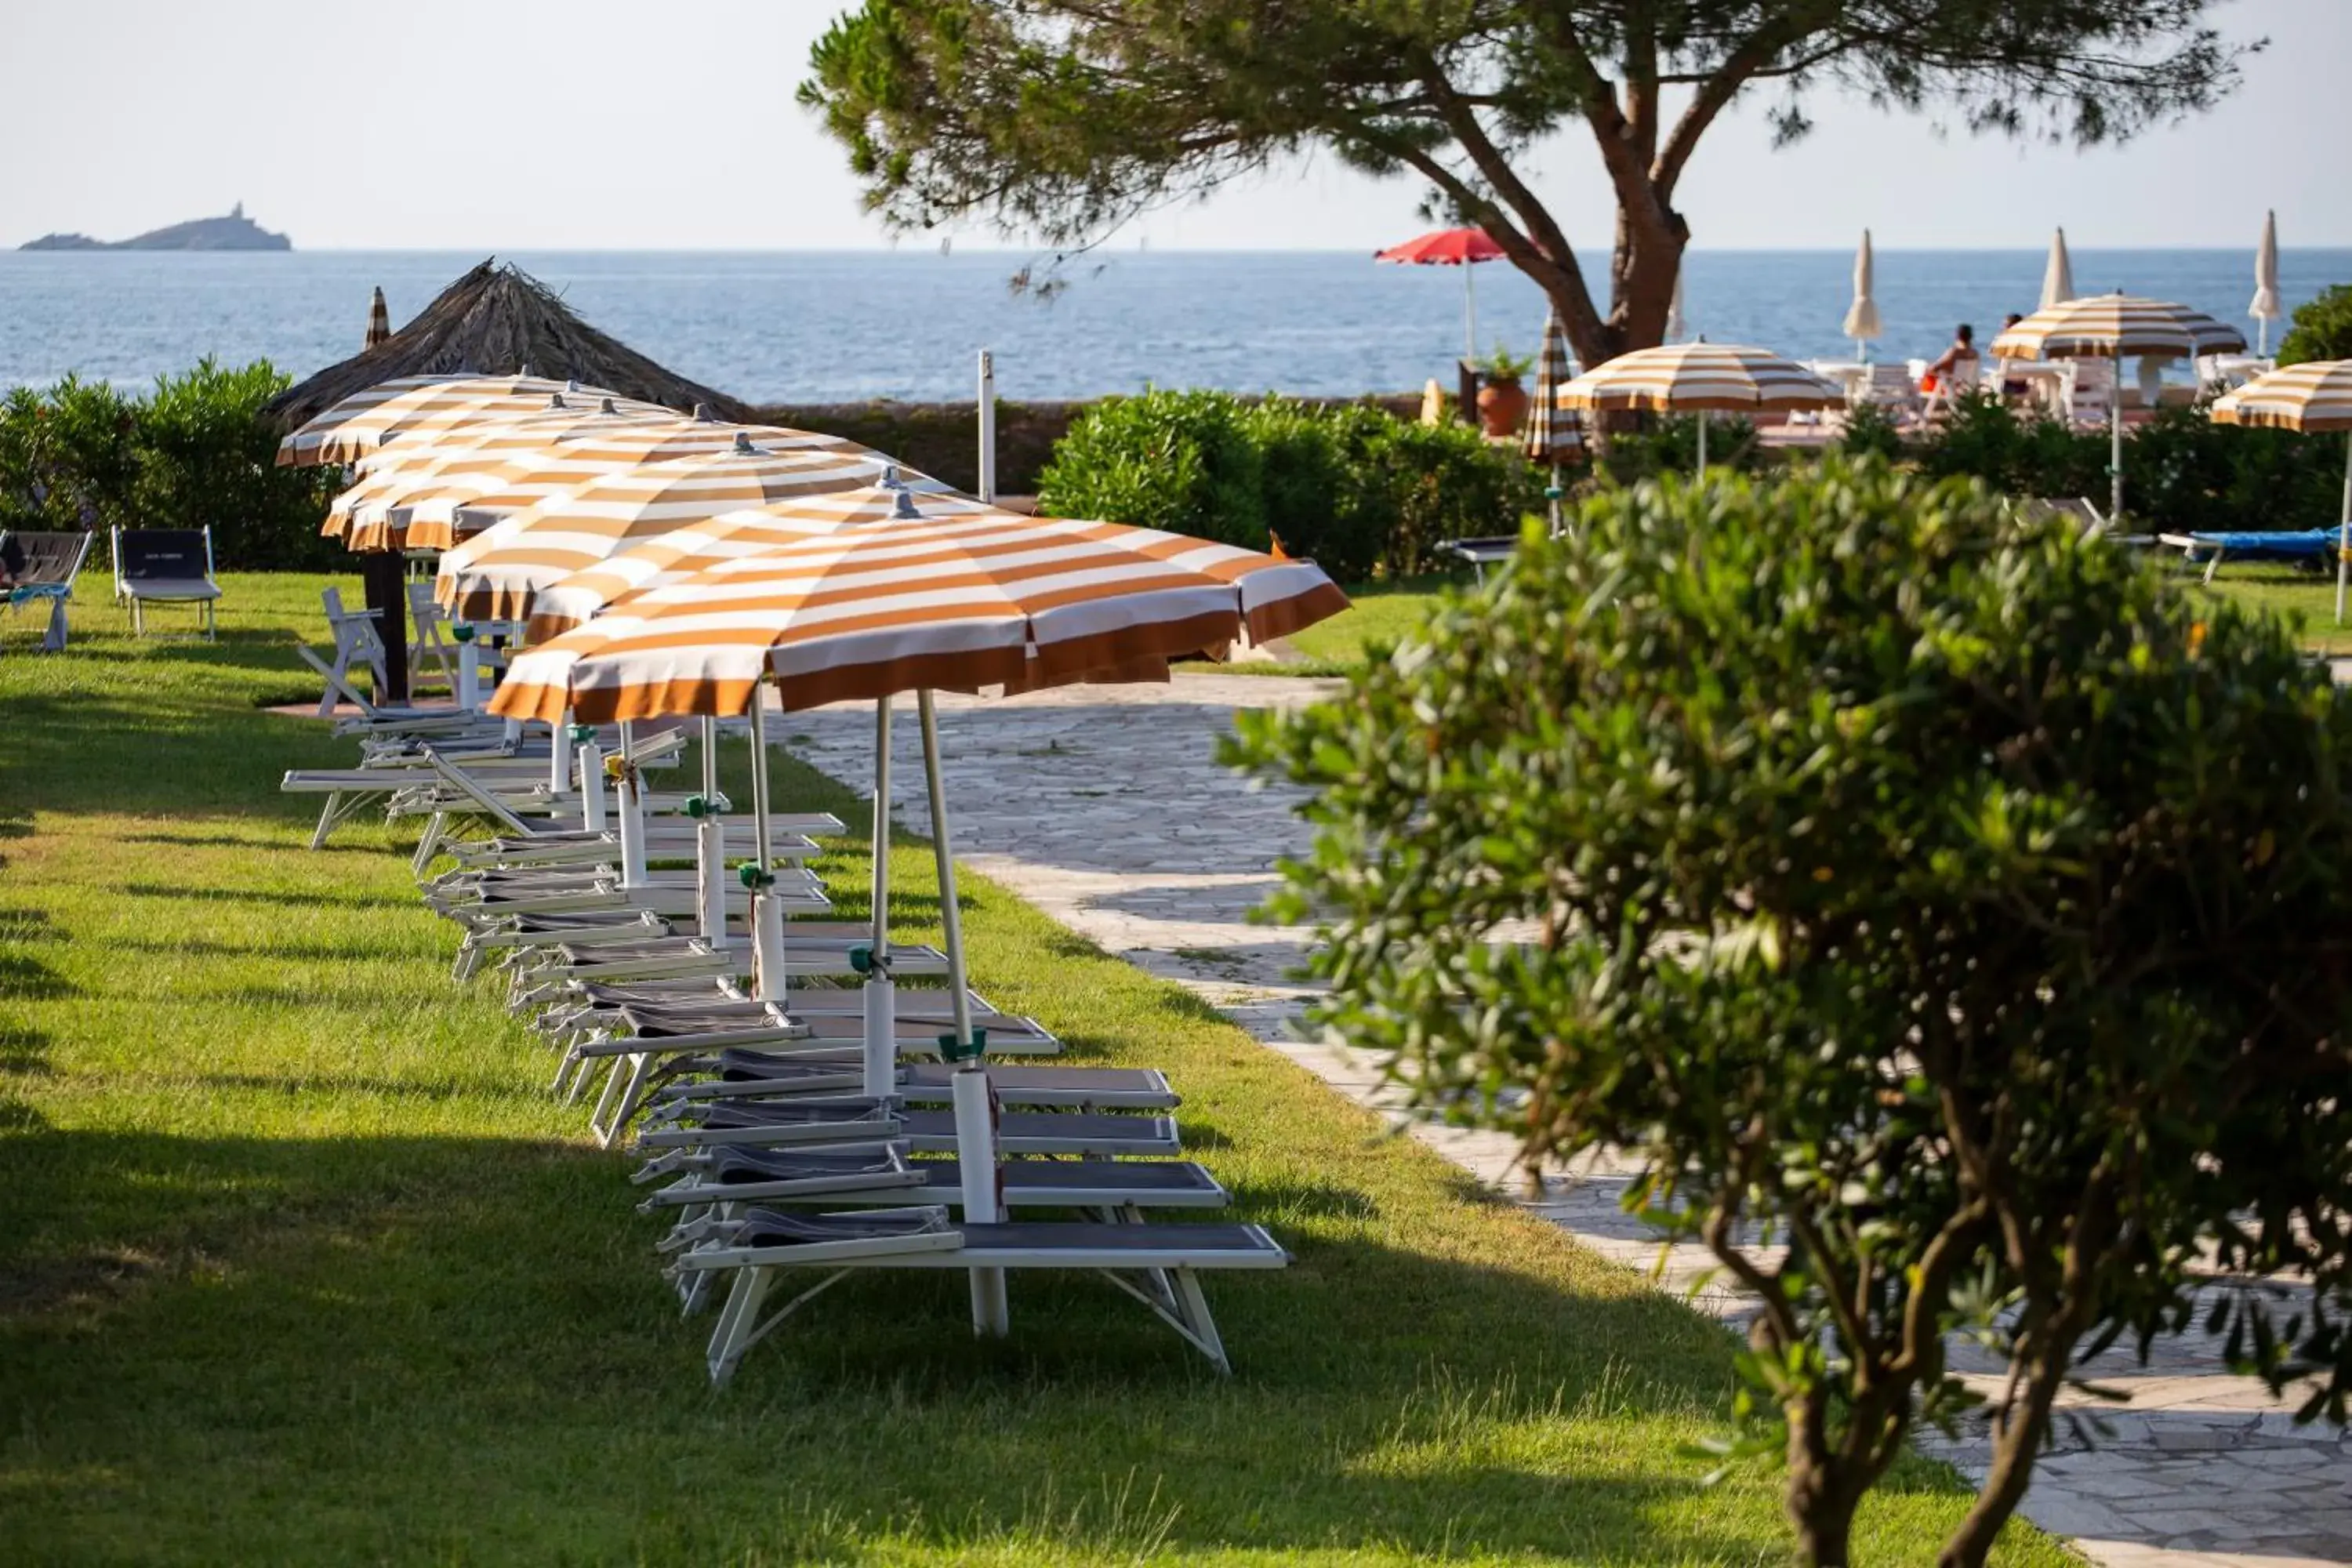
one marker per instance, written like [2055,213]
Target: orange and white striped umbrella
[371,514]
[2115,326]
[580,597]
[497,573]
[1689,378]
[2314,395]
[975,597]
[366,420]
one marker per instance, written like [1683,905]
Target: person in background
[2010,386]
[1964,347]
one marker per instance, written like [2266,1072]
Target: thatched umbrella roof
[499,321]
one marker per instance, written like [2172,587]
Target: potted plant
[1502,400]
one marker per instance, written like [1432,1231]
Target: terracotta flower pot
[1501,406]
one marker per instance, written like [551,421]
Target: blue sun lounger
[2299,544]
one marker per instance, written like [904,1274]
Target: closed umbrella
[378,325]
[577,520]
[1678,324]
[1861,323]
[2115,326]
[1463,247]
[917,602]
[2058,276]
[2312,396]
[1554,434]
[2265,307]
[1700,378]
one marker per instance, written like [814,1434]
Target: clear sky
[549,125]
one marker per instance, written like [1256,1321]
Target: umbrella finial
[606,405]
[702,414]
[555,400]
[890,479]
[744,447]
[906,509]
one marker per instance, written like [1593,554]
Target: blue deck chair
[2299,544]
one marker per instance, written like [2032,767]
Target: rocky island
[235,232]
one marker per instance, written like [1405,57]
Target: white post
[631,807]
[710,761]
[711,876]
[1702,443]
[470,668]
[592,783]
[975,1125]
[987,426]
[768,980]
[2344,533]
[559,755]
[880,994]
[950,918]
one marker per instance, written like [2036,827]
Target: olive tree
[1063,119]
[1946,893]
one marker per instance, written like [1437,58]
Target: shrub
[1985,439]
[1174,461]
[195,452]
[1669,444]
[1963,902]
[207,458]
[2322,328]
[1359,490]
[1869,432]
[2184,473]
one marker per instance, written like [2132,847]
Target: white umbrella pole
[974,1096]
[592,783]
[711,762]
[710,844]
[1702,443]
[881,992]
[2344,533]
[768,973]
[1469,316]
[950,918]
[2115,446]
[558,756]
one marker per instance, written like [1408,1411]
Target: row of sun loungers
[790,1103]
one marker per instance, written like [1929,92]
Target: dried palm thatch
[499,320]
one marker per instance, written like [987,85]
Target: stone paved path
[1102,806]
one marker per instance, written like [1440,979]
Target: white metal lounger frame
[1167,1281]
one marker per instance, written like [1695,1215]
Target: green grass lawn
[298,1263]
[2306,600]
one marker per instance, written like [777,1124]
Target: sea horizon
[815,325]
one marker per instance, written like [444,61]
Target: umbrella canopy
[2058,276]
[379,327]
[1554,434]
[352,429]
[573,600]
[581,520]
[1462,247]
[497,320]
[2311,396]
[2265,307]
[1444,248]
[2111,326]
[1685,378]
[958,597]
[374,513]
[1861,323]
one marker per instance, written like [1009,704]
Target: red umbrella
[1450,248]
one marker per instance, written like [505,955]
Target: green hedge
[1350,485]
[193,453]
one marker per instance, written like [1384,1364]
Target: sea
[835,326]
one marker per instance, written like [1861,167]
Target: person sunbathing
[1964,347]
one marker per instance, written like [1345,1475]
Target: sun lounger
[1157,1264]
[165,566]
[2313,544]
[1112,1189]
[52,562]
[711,1124]
[582,949]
